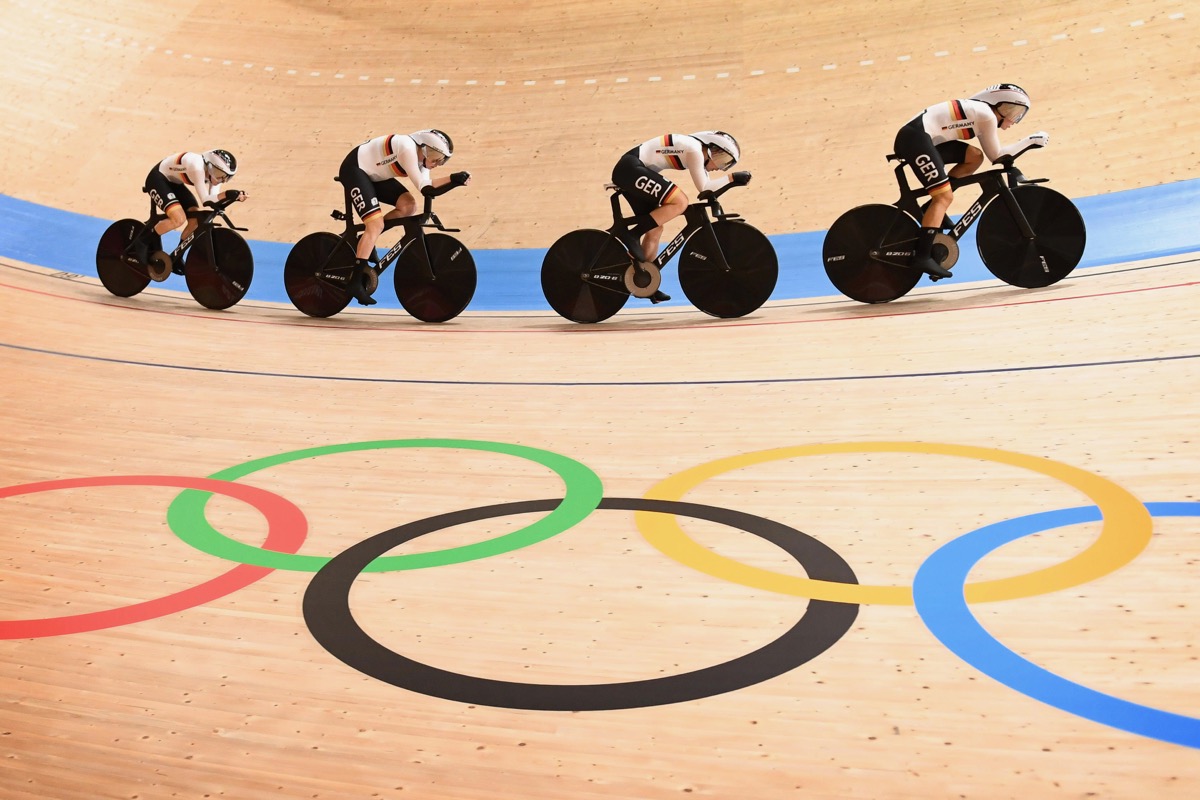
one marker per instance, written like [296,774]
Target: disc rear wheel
[317,274]
[867,252]
[122,268]
[583,275]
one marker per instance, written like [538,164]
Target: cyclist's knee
[373,225]
[406,204]
[175,218]
[942,199]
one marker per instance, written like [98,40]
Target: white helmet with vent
[1010,101]
[722,148]
[437,147]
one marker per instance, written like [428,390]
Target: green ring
[583,493]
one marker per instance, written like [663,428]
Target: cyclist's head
[1009,101]
[434,147]
[721,150]
[220,165]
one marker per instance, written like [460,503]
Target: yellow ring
[1125,532]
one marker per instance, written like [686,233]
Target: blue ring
[939,597]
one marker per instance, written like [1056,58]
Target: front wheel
[218,269]
[583,275]
[440,287]
[731,273]
[1057,245]
[317,274]
[867,253]
[120,266]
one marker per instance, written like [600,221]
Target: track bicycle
[1029,236]
[215,260]
[727,268]
[435,273]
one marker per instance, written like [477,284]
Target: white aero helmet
[723,148]
[436,141]
[1009,100]
[223,161]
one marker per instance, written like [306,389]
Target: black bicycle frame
[697,220]
[203,229]
[413,230]
[993,183]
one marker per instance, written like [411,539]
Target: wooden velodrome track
[140,665]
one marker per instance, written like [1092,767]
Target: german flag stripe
[374,212]
[675,161]
[182,173]
[389,152]
[670,193]
[958,113]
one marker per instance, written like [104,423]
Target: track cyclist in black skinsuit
[655,199]
[939,134]
[369,176]
[168,182]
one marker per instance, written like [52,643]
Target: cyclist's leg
[969,160]
[361,195]
[173,199]
[675,203]
[646,191]
[363,201]
[655,201]
[396,194]
[916,147]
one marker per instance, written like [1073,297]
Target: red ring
[287,528]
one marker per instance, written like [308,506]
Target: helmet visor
[720,159]
[1013,112]
[434,157]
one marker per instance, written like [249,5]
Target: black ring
[327,614]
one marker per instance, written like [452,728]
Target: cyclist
[168,182]
[939,134]
[655,200]
[369,176]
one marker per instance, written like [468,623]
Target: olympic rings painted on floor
[940,592]
[1125,532]
[937,590]
[583,491]
[287,529]
[327,613]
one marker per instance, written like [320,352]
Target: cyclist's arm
[193,167]
[693,160]
[406,155]
[988,132]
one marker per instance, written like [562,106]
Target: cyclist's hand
[741,178]
[460,178]
[232,195]
[1039,139]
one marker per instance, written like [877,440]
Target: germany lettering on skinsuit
[648,186]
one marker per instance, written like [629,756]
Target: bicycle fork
[1017,214]
[697,216]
